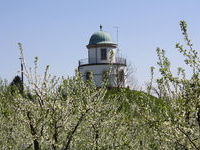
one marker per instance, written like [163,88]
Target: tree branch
[74,130]
[193,144]
[33,132]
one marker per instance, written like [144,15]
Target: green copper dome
[100,37]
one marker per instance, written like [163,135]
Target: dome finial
[100,27]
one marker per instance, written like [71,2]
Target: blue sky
[57,31]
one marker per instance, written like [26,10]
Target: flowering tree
[181,125]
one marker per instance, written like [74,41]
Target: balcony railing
[91,61]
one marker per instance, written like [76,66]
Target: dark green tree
[17,85]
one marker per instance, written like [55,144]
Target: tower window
[103,54]
[121,77]
[88,75]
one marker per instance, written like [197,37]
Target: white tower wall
[98,73]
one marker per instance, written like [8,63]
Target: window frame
[103,54]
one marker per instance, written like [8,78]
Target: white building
[102,61]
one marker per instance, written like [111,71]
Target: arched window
[88,75]
[121,77]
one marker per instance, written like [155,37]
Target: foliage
[182,96]
[74,115]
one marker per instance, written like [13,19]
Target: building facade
[102,61]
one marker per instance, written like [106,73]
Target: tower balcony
[96,61]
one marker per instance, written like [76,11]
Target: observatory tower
[102,61]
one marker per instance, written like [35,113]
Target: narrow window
[88,75]
[103,54]
[121,77]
